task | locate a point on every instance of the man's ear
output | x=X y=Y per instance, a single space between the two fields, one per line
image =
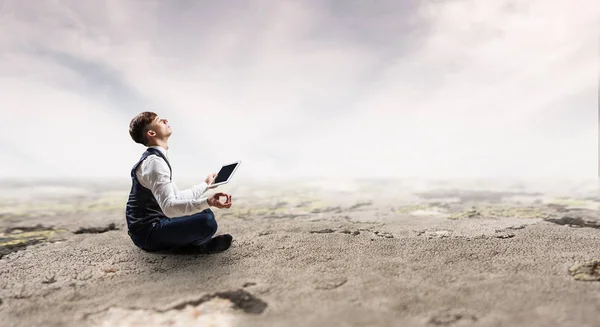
x=151 y=133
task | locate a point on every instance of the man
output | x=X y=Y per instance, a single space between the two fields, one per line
x=159 y=216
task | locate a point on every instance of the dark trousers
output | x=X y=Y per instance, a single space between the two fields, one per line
x=177 y=232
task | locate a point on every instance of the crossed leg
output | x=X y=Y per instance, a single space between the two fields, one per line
x=195 y=230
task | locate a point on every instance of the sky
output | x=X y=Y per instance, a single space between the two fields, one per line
x=302 y=89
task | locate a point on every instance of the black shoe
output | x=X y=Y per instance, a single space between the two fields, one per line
x=216 y=244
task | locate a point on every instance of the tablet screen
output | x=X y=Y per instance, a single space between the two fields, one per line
x=225 y=172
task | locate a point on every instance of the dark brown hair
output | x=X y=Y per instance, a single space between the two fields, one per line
x=139 y=126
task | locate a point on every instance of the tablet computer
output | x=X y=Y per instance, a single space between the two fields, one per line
x=224 y=175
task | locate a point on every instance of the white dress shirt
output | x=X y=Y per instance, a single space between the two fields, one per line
x=154 y=174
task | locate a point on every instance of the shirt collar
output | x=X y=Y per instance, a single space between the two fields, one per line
x=161 y=149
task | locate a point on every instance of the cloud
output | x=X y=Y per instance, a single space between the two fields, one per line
x=301 y=89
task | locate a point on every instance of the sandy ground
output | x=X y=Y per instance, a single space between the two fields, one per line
x=345 y=253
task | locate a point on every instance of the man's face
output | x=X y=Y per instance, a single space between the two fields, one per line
x=159 y=128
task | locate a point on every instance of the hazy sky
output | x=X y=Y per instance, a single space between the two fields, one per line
x=303 y=88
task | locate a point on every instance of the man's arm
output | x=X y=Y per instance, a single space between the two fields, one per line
x=154 y=175
x=197 y=190
x=194 y=192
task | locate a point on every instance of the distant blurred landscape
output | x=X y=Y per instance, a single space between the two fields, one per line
x=20 y=197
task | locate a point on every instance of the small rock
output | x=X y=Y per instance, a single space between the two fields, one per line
x=50 y=280
x=510 y=228
x=505 y=235
x=587 y=271
x=248 y=284
x=384 y=234
x=96 y=230
x=330 y=284
x=110 y=269
x=437 y=234
x=517 y=227
x=449 y=317
x=322 y=231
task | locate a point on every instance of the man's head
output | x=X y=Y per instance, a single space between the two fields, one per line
x=148 y=128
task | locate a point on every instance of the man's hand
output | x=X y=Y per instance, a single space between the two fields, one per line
x=215 y=201
x=209 y=179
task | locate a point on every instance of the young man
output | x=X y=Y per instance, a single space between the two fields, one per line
x=159 y=216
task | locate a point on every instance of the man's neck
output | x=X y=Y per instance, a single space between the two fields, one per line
x=162 y=144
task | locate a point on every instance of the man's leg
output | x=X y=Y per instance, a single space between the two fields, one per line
x=171 y=233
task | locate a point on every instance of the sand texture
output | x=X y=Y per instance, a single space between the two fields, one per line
x=341 y=253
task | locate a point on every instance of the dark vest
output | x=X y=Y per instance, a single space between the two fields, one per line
x=142 y=208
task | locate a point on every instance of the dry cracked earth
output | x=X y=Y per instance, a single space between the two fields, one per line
x=345 y=253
